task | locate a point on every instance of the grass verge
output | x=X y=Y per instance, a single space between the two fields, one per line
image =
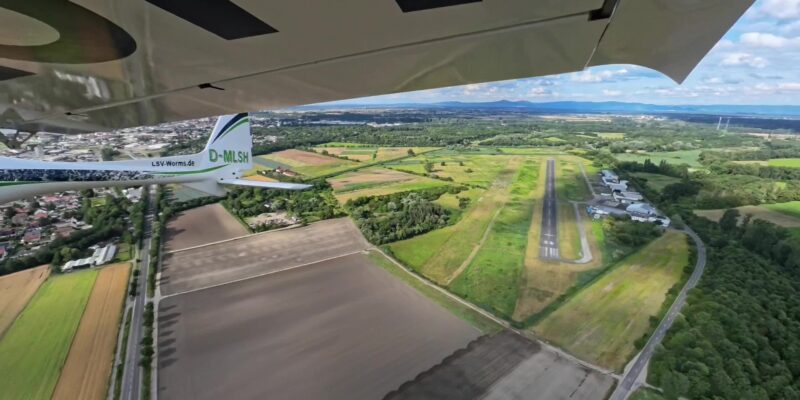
x=467 y=314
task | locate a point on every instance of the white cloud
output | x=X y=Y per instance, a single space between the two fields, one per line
x=602 y=76
x=744 y=59
x=768 y=40
x=540 y=92
x=612 y=93
x=782 y=9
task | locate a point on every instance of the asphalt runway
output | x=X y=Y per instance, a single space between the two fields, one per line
x=254 y=255
x=548 y=242
x=338 y=329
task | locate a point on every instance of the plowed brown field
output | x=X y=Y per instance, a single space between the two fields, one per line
x=85 y=374
x=15 y=291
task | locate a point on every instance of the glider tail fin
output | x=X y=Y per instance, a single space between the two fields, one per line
x=230 y=143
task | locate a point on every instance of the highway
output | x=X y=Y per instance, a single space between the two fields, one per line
x=131 y=378
x=548 y=241
x=628 y=382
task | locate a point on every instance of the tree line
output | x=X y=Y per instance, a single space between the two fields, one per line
x=739 y=335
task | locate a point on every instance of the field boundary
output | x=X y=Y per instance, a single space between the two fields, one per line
x=264 y=274
x=232 y=239
x=502 y=322
x=475 y=249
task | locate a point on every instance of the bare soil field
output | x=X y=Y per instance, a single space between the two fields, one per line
x=338 y=329
x=505 y=366
x=367 y=176
x=15 y=291
x=86 y=372
x=547 y=375
x=202 y=225
x=304 y=157
x=258 y=254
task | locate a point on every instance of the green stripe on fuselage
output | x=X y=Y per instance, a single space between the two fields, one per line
x=200 y=171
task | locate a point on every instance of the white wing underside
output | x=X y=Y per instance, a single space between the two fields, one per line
x=168 y=61
x=265 y=185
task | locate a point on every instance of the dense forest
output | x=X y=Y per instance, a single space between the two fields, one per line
x=398 y=216
x=739 y=335
x=309 y=205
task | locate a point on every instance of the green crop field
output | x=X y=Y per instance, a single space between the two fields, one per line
x=791 y=208
x=689 y=157
x=785 y=162
x=611 y=135
x=492 y=278
x=602 y=322
x=33 y=351
x=473 y=169
x=656 y=181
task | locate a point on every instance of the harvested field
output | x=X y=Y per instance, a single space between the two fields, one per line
x=33 y=350
x=306 y=163
x=358 y=179
x=257 y=254
x=339 y=329
x=505 y=366
x=86 y=373
x=15 y=291
x=202 y=225
x=299 y=157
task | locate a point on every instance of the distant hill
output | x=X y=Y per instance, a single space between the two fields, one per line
x=598 y=107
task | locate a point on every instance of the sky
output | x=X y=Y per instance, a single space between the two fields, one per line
x=756 y=62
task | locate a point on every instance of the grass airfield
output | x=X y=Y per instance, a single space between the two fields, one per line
x=601 y=322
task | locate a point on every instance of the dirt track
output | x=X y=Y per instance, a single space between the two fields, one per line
x=258 y=254
x=202 y=225
x=15 y=291
x=339 y=329
x=86 y=372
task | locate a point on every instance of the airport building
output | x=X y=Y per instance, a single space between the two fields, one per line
x=625 y=202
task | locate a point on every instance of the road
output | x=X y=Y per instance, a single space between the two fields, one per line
x=131 y=378
x=628 y=382
x=548 y=242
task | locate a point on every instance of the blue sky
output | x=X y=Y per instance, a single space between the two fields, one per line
x=757 y=62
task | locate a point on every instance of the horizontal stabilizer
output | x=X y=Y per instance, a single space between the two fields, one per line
x=265 y=185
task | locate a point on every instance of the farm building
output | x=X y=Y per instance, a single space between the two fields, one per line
x=101 y=256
